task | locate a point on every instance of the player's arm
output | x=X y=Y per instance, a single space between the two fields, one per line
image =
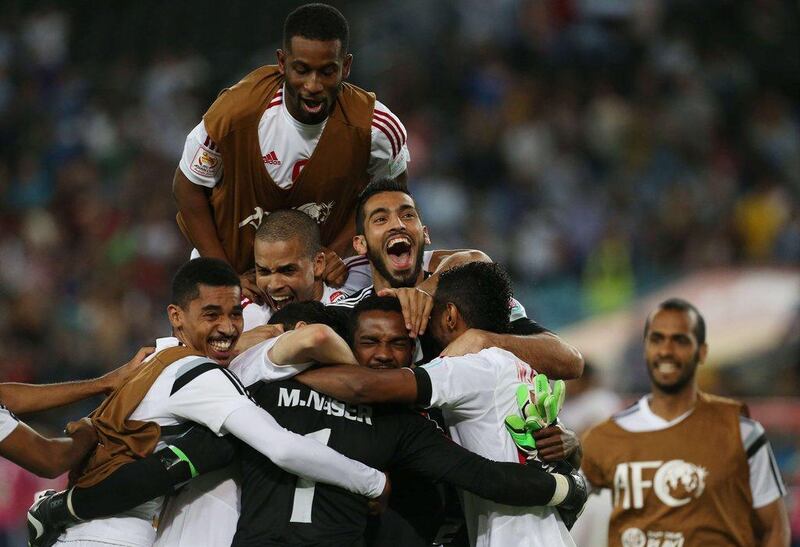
x=424 y=450
x=210 y=395
x=315 y=342
x=773 y=522
x=362 y=384
x=26 y=398
x=194 y=207
x=48 y=457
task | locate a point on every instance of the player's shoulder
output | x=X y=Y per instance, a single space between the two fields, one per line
x=349 y=302
x=242 y=103
x=724 y=403
x=599 y=431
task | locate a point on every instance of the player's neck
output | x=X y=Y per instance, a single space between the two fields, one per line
x=672 y=405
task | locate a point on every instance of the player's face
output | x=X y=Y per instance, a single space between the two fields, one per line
x=286 y=273
x=211 y=323
x=671 y=350
x=314 y=71
x=394 y=238
x=381 y=340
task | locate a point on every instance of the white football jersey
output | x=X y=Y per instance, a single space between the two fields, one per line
x=286 y=146
x=8 y=422
x=475 y=393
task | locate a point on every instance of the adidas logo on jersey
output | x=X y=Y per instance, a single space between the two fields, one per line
x=272 y=158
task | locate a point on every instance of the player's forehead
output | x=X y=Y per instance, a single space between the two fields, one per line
x=388 y=201
x=381 y=324
x=669 y=322
x=314 y=53
x=273 y=254
x=225 y=297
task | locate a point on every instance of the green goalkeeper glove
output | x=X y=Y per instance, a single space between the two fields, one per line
x=539 y=405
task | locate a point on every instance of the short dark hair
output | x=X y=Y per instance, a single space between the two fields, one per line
x=312 y=312
x=378 y=186
x=371 y=303
x=201 y=271
x=679 y=304
x=482 y=293
x=286 y=224
x=316 y=22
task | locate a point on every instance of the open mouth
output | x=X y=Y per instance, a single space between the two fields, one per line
x=279 y=302
x=312 y=106
x=666 y=367
x=221 y=346
x=398 y=248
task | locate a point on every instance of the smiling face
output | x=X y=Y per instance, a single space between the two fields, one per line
x=394 y=238
x=211 y=323
x=381 y=340
x=286 y=273
x=671 y=350
x=314 y=71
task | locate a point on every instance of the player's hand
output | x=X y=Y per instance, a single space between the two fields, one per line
x=112 y=380
x=470 y=341
x=81 y=428
x=539 y=405
x=335 y=273
x=256 y=335
x=555 y=443
x=250 y=289
x=376 y=506
x=572 y=505
x=417 y=305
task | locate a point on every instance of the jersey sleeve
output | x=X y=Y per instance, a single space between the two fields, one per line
x=201 y=161
x=462 y=385
x=254 y=365
x=8 y=422
x=205 y=393
x=766 y=484
x=389 y=154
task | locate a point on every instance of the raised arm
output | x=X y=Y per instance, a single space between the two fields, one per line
x=25 y=398
x=316 y=342
x=362 y=384
x=193 y=205
x=48 y=457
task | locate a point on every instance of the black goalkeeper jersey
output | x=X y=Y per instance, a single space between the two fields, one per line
x=304 y=513
x=279 y=508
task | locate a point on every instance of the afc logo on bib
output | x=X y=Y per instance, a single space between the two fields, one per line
x=634 y=537
x=675 y=482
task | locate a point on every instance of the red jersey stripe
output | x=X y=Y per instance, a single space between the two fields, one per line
x=275 y=102
x=385 y=131
x=393 y=121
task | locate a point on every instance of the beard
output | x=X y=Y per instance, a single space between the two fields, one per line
x=683 y=380
x=408 y=279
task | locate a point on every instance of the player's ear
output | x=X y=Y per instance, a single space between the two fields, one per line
x=360 y=244
x=348 y=62
x=281 y=56
x=702 y=353
x=175 y=314
x=319 y=264
x=451 y=316
x=299 y=324
x=427 y=235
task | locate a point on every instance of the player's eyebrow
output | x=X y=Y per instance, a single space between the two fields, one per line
x=211 y=307
x=374 y=212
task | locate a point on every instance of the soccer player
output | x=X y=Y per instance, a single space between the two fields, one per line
x=291 y=135
x=391 y=235
x=685 y=467
x=187 y=381
x=475 y=393
x=280 y=509
x=52 y=457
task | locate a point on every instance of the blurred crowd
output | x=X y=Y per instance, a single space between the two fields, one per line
x=597 y=148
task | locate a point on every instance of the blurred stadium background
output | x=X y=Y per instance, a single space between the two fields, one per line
x=608 y=152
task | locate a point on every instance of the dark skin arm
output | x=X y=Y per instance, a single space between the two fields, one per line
x=556 y=443
x=45 y=457
x=26 y=398
x=361 y=384
x=192 y=201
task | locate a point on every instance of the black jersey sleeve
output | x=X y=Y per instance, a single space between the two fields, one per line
x=424 y=450
x=142 y=480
